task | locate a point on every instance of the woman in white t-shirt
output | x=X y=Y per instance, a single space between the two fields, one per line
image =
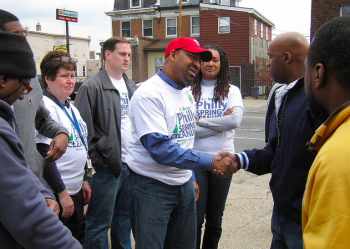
x=219 y=111
x=65 y=176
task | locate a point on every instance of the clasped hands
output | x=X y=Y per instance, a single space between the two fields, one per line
x=224 y=164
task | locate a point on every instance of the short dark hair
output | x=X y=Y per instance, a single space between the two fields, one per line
x=222 y=86
x=109 y=44
x=331 y=47
x=49 y=67
x=6 y=17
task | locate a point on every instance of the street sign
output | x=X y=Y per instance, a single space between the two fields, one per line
x=66 y=15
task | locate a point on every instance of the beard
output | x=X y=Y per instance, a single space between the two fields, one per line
x=317 y=110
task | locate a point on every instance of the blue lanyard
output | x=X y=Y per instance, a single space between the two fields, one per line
x=75 y=123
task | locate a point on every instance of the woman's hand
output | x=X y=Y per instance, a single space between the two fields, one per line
x=66 y=203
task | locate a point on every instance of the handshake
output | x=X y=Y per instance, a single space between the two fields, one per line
x=224 y=164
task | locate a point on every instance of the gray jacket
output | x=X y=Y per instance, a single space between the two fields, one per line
x=29 y=111
x=25 y=220
x=98 y=102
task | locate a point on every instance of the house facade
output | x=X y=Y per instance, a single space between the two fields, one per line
x=323 y=11
x=242 y=32
x=41 y=43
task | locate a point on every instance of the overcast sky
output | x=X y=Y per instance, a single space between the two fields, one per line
x=92 y=20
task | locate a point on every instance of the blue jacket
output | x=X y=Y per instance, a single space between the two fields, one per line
x=286 y=156
x=25 y=220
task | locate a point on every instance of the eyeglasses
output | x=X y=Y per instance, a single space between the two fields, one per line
x=27 y=88
x=194 y=57
x=65 y=59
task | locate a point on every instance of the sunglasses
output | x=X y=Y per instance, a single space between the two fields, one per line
x=65 y=59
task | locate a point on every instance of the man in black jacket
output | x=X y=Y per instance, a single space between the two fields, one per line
x=103 y=102
x=286 y=155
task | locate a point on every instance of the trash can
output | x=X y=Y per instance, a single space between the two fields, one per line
x=254 y=92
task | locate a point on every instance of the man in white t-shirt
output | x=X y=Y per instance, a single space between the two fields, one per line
x=103 y=102
x=160 y=156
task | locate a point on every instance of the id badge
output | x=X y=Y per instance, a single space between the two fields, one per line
x=90 y=170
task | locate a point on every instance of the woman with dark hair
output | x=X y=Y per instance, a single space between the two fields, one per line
x=65 y=176
x=219 y=111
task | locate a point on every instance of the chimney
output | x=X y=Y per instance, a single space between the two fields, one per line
x=38 y=27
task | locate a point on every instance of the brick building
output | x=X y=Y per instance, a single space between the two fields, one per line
x=242 y=32
x=323 y=11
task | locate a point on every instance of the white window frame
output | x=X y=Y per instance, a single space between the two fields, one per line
x=341 y=9
x=225 y=4
x=143 y=27
x=166 y=26
x=229 y=24
x=131 y=6
x=121 y=29
x=255 y=27
x=262 y=30
x=155 y=66
x=267 y=32
x=192 y=33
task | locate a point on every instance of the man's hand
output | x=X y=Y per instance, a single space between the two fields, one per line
x=57 y=147
x=53 y=205
x=228 y=111
x=67 y=204
x=223 y=165
x=86 y=191
x=196 y=189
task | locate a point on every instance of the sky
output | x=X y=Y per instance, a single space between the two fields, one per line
x=287 y=15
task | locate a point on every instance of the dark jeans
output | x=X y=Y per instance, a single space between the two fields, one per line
x=286 y=232
x=162 y=216
x=74 y=222
x=211 y=204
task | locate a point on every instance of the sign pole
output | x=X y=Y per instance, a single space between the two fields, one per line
x=67 y=36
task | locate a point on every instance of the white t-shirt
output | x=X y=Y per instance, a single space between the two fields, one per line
x=71 y=164
x=207 y=108
x=125 y=129
x=158 y=107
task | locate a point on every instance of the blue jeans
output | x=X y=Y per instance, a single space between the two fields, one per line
x=162 y=216
x=101 y=207
x=211 y=204
x=120 y=228
x=286 y=232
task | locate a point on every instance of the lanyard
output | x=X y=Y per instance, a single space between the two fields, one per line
x=75 y=123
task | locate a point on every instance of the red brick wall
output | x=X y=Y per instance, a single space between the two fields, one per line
x=159 y=28
x=323 y=11
x=136 y=27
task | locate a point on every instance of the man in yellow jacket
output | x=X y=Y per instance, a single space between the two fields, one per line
x=326 y=205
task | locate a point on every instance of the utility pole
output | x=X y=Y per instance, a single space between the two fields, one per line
x=180 y=12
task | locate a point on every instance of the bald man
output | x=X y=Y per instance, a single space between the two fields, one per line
x=286 y=156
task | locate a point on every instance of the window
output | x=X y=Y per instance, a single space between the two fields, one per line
x=224 y=25
x=255 y=27
x=84 y=71
x=344 y=10
x=267 y=32
x=126 y=29
x=262 y=30
x=76 y=71
x=147 y=28
x=171 y=28
x=226 y=2
x=135 y=3
x=158 y=62
x=195 y=25
x=183 y=1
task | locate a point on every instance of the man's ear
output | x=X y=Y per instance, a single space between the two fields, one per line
x=287 y=57
x=320 y=80
x=172 y=55
x=2 y=81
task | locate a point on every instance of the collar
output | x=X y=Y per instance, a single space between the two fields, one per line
x=328 y=127
x=171 y=83
x=54 y=99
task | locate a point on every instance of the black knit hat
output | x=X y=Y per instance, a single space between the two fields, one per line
x=16 y=57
